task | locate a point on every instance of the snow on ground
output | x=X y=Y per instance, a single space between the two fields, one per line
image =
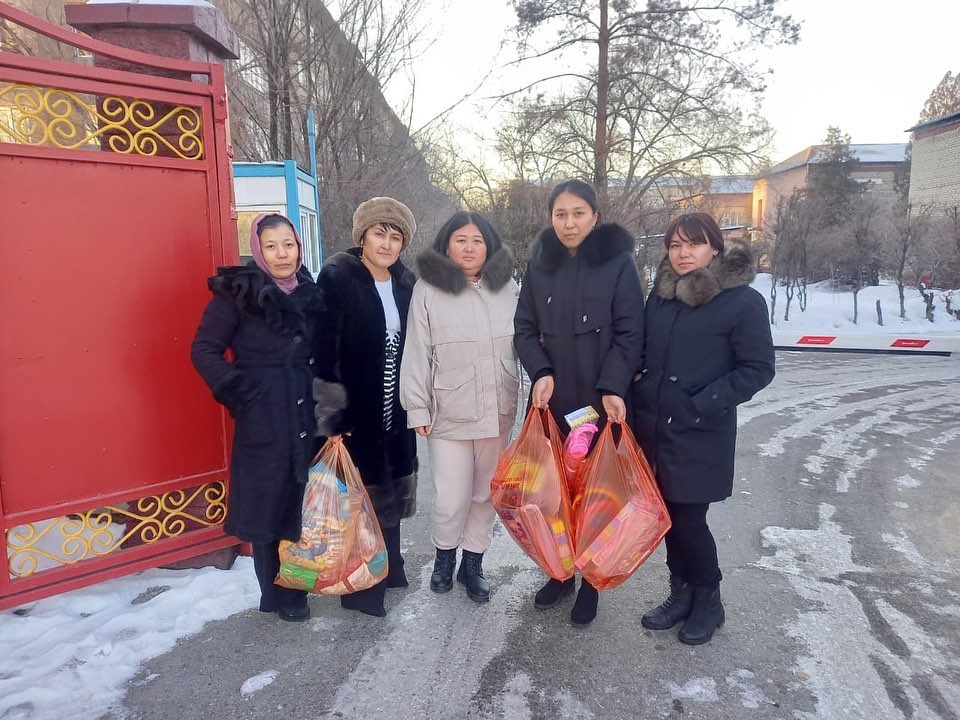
x=831 y=310
x=78 y=650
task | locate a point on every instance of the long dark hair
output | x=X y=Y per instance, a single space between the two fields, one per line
x=461 y=219
x=581 y=189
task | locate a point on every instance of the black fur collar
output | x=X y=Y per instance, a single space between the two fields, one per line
x=602 y=244
x=349 y=261
x=438 y=270
x=734 y=268
x=256 y=295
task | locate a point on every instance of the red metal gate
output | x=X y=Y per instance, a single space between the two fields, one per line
x=115 y=195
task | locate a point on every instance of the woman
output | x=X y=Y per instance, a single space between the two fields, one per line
x=265 y=314
x=458 y=384
x=579 y=329
x=363 y=325
x=708 y=349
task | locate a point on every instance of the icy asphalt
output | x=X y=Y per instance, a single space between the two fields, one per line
x=841 y=555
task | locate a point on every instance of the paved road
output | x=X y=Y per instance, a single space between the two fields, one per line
x=841 y=555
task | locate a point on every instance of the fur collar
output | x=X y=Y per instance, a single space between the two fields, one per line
x=257 y=296
x=438 y=270
x=734 y=268
x=349 y=261
x=602 y=244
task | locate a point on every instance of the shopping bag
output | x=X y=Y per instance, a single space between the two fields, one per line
x=341 y=548
x=530 y=495
x=620 y=514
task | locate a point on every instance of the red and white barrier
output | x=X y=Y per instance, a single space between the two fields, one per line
x=874 y=342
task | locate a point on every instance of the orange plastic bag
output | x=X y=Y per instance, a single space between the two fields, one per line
x=620 y=514
x=341 y=548
x=530 y=495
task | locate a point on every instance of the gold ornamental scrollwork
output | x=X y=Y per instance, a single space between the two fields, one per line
x=66 y=540
x=53 y=117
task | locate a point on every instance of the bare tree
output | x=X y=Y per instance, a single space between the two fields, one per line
x=666 y=93
x=299 y=56
x=903 y=244
x=794 y=226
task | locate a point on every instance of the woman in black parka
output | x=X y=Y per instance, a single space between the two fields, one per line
x=265 y=313
x=366 y=293
x=579 y=329
x=708 y=349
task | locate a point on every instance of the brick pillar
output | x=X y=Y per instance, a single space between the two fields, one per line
x=186 y=32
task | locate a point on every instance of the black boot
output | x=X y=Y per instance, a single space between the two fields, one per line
x=368 y=602
x=585 y=608
x=442 y=579
x=396 y=578
x=672 y=610
x=550 y=594
x=707 y=615
x=471 y=575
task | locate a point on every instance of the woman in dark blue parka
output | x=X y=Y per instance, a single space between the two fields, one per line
x=707 y=349
x=265 y=313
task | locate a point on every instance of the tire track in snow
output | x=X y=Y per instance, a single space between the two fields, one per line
x=430 y=660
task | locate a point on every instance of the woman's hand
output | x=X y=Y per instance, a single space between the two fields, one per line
x=542 y=392
x=423 y=430
x=615 y=408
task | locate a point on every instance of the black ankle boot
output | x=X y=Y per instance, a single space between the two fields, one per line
x=471 y=575
x=672 y=610
x=707 y=615
x=442 y=579
x=550 y=594
x=585 y=608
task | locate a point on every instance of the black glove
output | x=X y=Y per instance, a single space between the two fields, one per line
x=331 y=401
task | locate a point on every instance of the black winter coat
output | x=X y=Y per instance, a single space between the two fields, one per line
x=580 y=318
x=350 y=351
x=267 y=390
x=708 y=349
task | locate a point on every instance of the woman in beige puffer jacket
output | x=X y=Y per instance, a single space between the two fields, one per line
x=458 y=383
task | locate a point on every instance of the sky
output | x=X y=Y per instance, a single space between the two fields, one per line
x=81 y=649
x=862 y=65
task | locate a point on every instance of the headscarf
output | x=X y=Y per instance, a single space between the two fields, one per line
x=288 y=285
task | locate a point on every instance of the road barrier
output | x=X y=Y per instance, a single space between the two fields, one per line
x=932 y=344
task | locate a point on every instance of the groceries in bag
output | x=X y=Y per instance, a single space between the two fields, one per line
x=341 y=548
x=620 y=514
x=530 y=495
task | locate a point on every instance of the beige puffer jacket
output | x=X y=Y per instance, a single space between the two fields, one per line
x=459 y=372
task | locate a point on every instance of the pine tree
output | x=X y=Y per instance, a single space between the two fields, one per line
x=944 y=100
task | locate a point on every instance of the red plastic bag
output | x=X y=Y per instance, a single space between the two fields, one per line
x=341 y=548
x=530 y=495
x=620 y=514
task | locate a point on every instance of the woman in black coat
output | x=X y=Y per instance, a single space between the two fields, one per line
x=265 y=313
x=366 y=293
x=579 y=329
x=708 y=349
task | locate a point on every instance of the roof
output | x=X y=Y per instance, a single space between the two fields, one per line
x=728 y=185
x=944 y=120
x=875 y=153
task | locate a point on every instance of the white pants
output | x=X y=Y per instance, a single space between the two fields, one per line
x=463 y=513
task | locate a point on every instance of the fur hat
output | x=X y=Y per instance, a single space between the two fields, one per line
x=383 y=210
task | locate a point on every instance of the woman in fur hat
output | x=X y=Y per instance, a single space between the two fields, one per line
x=458 y=382
x=363 y=327
x=579 y=329
x=708 y=349
x=265 y=312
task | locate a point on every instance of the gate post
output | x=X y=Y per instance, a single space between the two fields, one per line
x=186 y=32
